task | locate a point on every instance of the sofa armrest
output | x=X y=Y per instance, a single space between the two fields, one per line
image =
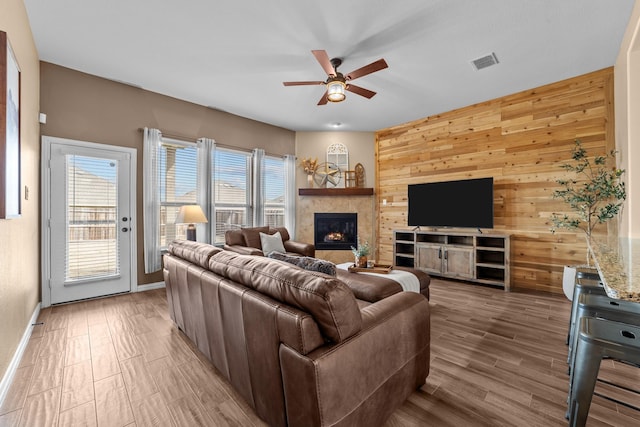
x=243 y=250
x=306 y=249
x=379 y=367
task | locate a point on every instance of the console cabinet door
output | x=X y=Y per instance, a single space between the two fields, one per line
x=429 y=258
x=458 y=262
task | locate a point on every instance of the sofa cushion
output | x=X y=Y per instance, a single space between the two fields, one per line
x=234 y=237
x=327 y=299
x=308 y=263
x=197 y=253
x=271 y=243
x=252 y=236
x=284 y=233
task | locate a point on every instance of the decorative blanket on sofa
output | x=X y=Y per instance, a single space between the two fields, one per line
x=406 y=279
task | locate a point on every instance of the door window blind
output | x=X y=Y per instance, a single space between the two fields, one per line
x=92 y=218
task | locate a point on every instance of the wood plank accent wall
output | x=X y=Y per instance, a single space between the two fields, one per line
x=520 y=140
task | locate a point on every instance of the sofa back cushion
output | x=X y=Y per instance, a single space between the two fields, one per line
x=284 y=233
x=252 y=236
x=234 y=237
x=327 y=299
x=194 y=252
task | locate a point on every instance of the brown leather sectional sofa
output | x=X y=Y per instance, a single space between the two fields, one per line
x=246 y=241
x=294 y=343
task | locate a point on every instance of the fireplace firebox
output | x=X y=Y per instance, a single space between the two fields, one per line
x=335 y=231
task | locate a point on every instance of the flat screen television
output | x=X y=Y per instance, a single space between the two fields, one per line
x=464 y=203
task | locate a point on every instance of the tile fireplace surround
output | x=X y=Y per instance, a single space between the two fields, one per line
x=308 y=205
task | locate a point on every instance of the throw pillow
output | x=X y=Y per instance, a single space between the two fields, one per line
x=271 y=243
x=308 y=263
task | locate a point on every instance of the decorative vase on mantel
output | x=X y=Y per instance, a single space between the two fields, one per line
x=361 y=261
x=309 y=167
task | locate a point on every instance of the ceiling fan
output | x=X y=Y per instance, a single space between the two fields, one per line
x=337 y=82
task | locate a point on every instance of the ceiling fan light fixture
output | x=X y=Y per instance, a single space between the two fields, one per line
x=335 y=91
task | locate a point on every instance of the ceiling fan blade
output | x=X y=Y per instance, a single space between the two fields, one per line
x=360 y=91
x=324 y=61
x=324 y=99
x=380 y=64
x=302 y=83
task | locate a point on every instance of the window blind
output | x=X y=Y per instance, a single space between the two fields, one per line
x=232 y=194
x=273 y=185
x=92 y=218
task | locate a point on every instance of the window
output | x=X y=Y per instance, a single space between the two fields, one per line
x=235 y=189
x=232 y=191
x=273 y=185
x=178 y=178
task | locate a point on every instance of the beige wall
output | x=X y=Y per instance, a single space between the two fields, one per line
x=361 y=150
x=89 y=108
x=19 y=252
x=627 y=103
x=361 y=146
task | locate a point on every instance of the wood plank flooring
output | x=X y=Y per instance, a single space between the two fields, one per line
x=497 y=359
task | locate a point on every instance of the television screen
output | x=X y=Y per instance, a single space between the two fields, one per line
x=463 y=203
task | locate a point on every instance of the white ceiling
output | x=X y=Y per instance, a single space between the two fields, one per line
x=234 y=55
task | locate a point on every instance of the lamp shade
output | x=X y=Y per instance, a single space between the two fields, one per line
x=190 y=214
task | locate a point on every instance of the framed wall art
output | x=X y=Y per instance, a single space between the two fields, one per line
x=9 y=131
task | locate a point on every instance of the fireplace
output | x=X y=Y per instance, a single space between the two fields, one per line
x=335 y=231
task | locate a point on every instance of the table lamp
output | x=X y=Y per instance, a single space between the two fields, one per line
x=190 y=214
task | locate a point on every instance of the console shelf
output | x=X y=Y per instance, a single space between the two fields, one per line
x=479 y=258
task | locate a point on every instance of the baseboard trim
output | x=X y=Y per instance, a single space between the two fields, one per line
x=7 y=379
x=150 y=286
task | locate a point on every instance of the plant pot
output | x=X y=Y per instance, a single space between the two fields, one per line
x=361 y=261
x=309 y=181
x=569 y=278
x=569 y=281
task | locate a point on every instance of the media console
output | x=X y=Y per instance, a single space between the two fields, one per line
x=480 y=258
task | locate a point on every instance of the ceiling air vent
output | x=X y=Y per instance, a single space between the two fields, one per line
x=485 y=61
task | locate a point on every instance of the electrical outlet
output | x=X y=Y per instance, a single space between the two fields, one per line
x=26 y=192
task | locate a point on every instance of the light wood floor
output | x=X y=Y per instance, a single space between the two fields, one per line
x=498 y=359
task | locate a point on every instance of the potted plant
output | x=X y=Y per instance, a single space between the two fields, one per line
x=361 y=252
x=595 y=194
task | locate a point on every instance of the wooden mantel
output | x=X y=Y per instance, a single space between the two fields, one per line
x=351 y=191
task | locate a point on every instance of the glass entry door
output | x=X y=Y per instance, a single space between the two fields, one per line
x=90 y=223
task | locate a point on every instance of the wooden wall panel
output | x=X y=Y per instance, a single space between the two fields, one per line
x=520 y=140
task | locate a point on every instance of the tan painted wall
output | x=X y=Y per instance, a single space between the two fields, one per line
x=361 y=150
x=19 y=252
x=361 y=146
x=627 y=102
x=89 y=108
